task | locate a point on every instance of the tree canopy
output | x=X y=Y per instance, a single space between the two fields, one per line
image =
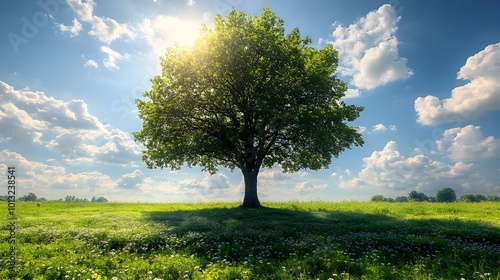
x=246 y=95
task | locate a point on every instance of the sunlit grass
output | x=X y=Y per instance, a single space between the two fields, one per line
x=292 y=240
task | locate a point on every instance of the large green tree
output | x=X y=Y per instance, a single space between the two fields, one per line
x=246 y=95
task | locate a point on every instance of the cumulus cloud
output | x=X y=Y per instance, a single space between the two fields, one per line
x=130 y=180
x=67 y=126
x=91 y=63
x=478 y=97
x=36 y=113
x=209 y=185
x=467 y=144
x=73 y=29
x=390 y=171
x=104 y=28
x=380 y=128
x=18 y=126
x=308 y=187
x=112 y=56
x=368 y=49
x=352 y=93
x=55 y=182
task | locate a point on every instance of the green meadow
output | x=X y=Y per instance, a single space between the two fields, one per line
x=292 y=240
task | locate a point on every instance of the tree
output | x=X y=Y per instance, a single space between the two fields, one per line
x=446 y=195
x=247 y=96
x=472 y=198
x=378 y=197
x=494 y=198
x=29 y=197
x=401 y=199
x=416 y=196
x=98 y=199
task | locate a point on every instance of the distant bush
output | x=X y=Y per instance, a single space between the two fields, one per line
x=417 y=196
x=378 y=197
x=29 y=197
x=443 y=195
x=493 y=198
x=473 y=198
x=98 y=199
x=446 y=195
x=72 y=198
x=401 y=199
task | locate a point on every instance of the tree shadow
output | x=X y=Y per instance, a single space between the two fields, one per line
x=344 y=238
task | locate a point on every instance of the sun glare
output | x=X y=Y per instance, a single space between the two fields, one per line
x=185 y=32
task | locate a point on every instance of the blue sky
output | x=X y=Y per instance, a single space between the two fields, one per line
x=427 y=73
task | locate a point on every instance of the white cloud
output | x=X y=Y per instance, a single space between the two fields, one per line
x=104 y=28
x=41 y=112
x=209 y=186
x=91 y=63
x=73 y=30
x=164 y=31
x=308 y=187
x=352 y=93
x=18 y=126
x=380 y=128
x=130 y=180
x=112 y=57
x=54 y=182
x=389 y=171
x=480 y=96
x=67 y=126
x=118 y=148
x=191 y=2
x=368 y=49
x=467 y=144
x=361 y=129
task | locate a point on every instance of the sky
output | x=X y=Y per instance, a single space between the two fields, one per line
x=427 y=73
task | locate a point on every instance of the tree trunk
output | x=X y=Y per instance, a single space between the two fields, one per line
x=251 y=199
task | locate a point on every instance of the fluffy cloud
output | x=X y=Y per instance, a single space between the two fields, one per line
x=55 y=182
x=130 y=180
x=67 y=126
x=91 y=63
x=209 y=185
x=112 y=56
x=163 y=31
x=467 y=144
x=388 y=170
x=73 y=29
x=308 y=187
x=104 y=28
x=380 y=128
x=36 y=112
x=18 y=126
x=120 y=148
x=352 y=93
x=368 y=49
x=470 y=101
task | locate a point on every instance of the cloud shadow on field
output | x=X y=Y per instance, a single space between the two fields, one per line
x=237 y=234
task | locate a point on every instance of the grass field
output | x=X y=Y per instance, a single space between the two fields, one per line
x=293 y=240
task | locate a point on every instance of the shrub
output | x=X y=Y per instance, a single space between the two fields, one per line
x=416 y=196
x=446 y=195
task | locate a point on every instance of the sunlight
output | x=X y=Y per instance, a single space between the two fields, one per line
x=166 y=31
x=185 y=32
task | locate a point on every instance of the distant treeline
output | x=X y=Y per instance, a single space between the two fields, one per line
x=443 y=195
x=70 y=198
